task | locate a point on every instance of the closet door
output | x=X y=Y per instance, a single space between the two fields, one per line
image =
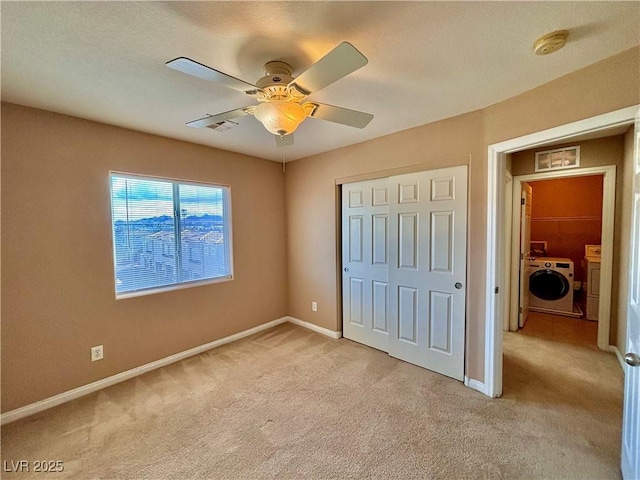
x=365 y=262
x=427 y=269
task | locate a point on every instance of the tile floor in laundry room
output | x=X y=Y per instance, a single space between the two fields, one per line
x=561 y=329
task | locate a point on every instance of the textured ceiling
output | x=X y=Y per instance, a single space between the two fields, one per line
x=105 y=61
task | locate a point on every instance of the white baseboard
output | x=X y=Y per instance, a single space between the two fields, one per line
x=63 y=397
x=69 y=395
x=315 y=328
x=476 y=385
x=614 y=349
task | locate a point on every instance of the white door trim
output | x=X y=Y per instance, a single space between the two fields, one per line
x=495 y=228
x=630 y=458
x=608 y=211
x=521 y=202
x=506 y=286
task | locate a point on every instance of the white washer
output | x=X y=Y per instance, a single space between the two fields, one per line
x=551 y=285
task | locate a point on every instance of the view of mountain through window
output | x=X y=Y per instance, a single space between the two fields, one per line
x=168 y=233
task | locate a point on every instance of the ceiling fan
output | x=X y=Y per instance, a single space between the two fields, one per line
x=282 y=106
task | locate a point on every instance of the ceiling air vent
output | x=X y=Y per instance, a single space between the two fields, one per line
x=222 y=126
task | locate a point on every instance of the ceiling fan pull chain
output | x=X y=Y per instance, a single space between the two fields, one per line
x=282 y=148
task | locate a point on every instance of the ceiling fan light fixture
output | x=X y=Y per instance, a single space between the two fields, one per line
x=280 y=117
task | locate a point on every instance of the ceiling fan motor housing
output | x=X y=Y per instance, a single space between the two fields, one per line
x=277 y=77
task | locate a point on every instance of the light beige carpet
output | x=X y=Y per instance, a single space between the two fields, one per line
x=289 y=403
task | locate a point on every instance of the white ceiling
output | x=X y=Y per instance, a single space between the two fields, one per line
x=105 y=61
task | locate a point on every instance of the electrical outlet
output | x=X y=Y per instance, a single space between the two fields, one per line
x=97 y=353
x=314 y=306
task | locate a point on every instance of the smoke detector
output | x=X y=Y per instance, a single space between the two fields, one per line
x=550 y=42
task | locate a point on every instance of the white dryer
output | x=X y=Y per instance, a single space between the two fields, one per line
x=551 y=285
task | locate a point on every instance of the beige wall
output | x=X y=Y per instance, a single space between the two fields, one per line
x=597 y=153
x=312 y=215
x=57 y=268
x=605 y=86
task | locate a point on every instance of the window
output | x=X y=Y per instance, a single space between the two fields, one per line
x=168 y=234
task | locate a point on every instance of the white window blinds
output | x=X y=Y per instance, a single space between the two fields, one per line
x=168 y=233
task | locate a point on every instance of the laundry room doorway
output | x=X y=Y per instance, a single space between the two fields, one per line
x=571 y=210
x=620 y=124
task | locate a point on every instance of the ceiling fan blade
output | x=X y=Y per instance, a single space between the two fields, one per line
x=353 y=118
x=284 y=140
x=338 y=63
x=221 y=117
x=196 y=69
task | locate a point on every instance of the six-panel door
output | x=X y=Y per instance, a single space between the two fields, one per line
x=365 y=262
x=404 y=267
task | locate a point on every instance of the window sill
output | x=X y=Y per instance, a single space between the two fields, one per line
x=177 y=286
